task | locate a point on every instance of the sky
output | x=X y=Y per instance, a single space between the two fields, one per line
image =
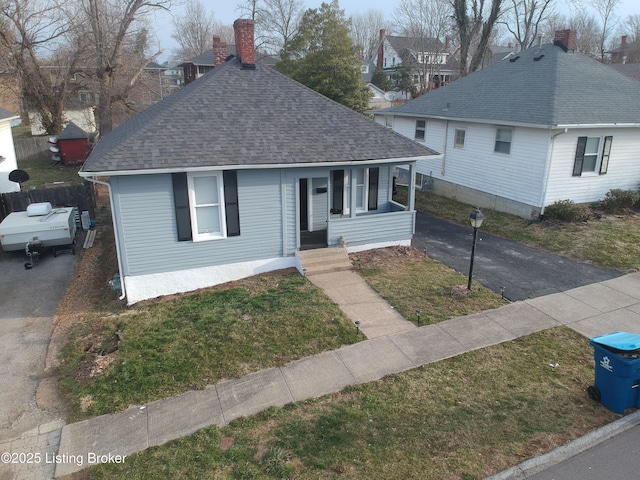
x=226 y=12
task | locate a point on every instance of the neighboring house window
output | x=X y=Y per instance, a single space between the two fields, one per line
x=206 y=206
x=421 y=126
x=459 y=137
x=365 y=182
x=388 y=121
x=592 y=155
x=503 y=140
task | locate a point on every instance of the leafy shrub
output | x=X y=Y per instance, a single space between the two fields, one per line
x=617 y=200
x=567 y=211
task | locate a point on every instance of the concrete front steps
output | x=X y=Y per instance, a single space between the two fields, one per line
x=324 y=260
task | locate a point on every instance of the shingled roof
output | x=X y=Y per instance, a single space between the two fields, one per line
x=542 y=86
x=6 y=115
x=235 y=116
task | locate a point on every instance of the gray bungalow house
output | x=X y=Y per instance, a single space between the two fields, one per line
x=230 y=176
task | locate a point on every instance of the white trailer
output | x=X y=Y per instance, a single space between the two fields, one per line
x=53 y=228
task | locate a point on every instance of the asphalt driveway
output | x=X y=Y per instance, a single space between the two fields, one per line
x=28 y=300
x=524 y=272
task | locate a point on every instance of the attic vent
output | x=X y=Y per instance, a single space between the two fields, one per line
x=538 y=58
x=514 y=59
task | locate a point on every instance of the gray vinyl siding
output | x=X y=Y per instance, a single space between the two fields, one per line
x=372 y=228
x=289 y=207
x=145 y=210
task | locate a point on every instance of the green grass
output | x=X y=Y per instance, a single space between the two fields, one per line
x=465 y=417
x=196 y=340
x=611 y=241
x=42 y=170
x=415 y=283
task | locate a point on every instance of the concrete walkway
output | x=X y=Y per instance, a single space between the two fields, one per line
x=591 y=310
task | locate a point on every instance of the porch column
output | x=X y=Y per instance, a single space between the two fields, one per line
x=412 y=186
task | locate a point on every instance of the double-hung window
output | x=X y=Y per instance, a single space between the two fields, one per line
x=459 y=137
x=365 y=183
x=503 y=140
x=206 y=205
x=421 y=126
x=592 y=155
x=207 y=210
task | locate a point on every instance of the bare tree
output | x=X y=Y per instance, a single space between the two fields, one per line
x=474 y=31
x=523 y=18
x=605 y=9
x=586 y=28
x=194 y=30
x=426 y=23
x=34 y=45
x=365 y=32
x=113 y=24
x=631 y=27
x=276 y=22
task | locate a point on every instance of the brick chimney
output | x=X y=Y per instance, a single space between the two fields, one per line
x=219 y=51
x=447 y=44
x=623 y=42
x=383 y=32
x=245 y=47
x=566 y=39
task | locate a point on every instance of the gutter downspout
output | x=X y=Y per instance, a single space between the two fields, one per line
x=115 y=234
x=444 y=147
x=548 y=169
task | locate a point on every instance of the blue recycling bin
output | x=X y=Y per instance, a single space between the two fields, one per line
x=617 y=371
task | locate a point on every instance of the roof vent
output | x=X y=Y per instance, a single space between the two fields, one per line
x=538 y=58
x=514 y=59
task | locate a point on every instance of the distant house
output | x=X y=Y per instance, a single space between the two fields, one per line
x=627 y=52
x=235 y=173
x=199 y=65
x=8 y=161
x=543 y=125
x=427 y=60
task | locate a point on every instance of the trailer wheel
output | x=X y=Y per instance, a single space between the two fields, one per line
x=27 y=266
x=594 y=393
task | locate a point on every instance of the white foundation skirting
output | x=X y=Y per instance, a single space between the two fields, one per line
x=371 y=246
x=144 y=287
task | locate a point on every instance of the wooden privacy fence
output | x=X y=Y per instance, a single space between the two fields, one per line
x=27 y=147
x=81 y=196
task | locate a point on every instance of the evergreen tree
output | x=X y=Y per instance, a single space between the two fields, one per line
x=322 y=57
x=381 y=80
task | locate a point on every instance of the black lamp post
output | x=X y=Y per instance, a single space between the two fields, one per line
x=476 y=219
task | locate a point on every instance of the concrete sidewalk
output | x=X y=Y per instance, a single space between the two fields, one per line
x=591 y=310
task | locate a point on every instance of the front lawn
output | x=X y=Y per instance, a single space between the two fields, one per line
x=168 y=347
x=463 y=418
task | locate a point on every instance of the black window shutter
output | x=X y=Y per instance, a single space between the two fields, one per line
x=374 y=174
x=338 y=191
x=577 y=166
x=604 y=165
x=181 y=203
x=232 y=211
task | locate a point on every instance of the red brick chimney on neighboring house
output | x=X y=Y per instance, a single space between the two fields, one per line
x=245 y=46
x=567 y=38
x=219 y=51
x=383 y=32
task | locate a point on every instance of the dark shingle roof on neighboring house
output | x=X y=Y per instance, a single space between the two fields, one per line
x=5 y=114
x=235 y=117
x=542 y=86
